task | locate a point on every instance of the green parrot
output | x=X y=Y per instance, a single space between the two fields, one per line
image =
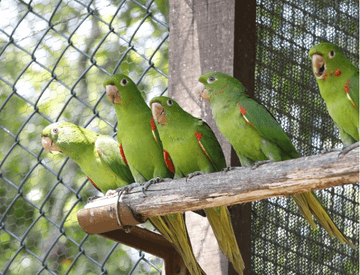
x=142 y=150
x=256 y=136
x=97 y=155
x=338 y=82
x=193 y=147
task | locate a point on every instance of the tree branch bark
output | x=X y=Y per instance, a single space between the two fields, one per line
x=239 y=185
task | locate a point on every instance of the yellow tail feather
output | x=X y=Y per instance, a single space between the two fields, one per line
x=220 y=222
x=309 y=202
x=173 y=229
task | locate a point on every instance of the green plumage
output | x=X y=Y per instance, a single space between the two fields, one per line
x=142 y=149
x=256 y=136
x=338 y=82
x=97 y=155
x=193 y=147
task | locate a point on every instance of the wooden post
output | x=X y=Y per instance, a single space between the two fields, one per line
x=201 y=40
x=244 y=70
x=213 y=36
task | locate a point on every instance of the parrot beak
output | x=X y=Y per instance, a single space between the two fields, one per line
x=49 y=145
x=113 y=94
x=319 y=66
x=158 y=112
x=201 y=91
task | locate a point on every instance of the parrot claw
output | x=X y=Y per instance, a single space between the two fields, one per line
x=227 y=169
x=347 y=149
x=259 y=163
x=92 y=198
x=146 y=185
x=191 y=175
x=124 y=189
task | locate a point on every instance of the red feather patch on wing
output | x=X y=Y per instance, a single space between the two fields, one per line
x=168 y=161
x=243 y=112
x=198 y=137
x=94 y=184
x=347 y=89
x=122 y=154
x=153 y=128
x=152 y=122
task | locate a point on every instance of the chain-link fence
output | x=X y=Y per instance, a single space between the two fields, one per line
x=282 y=241
x=53 y=58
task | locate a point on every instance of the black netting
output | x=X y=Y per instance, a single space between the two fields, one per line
x=54 y=56
x=282 y=241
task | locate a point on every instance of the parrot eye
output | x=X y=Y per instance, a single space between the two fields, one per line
x=211 y=79
x=124 y=82
x=331 y=54
x=169 y=102
x=55 y=131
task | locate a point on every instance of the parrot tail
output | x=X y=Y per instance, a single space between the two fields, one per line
x=309 y=204
x=220 y=221
x=173 y=228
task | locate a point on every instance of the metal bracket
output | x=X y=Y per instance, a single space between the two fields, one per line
x=99 y=217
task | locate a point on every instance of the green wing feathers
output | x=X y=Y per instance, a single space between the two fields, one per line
x=210 y=145
x=352 y=90
x=262 y=120
x=109 y=151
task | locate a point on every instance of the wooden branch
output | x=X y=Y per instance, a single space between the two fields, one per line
x=240 y=185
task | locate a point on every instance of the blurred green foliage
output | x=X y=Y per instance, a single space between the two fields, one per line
x=53 y=60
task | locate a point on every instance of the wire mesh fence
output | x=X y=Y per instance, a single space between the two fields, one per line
x=53 y=59
x=282 y=241
x=54 y=56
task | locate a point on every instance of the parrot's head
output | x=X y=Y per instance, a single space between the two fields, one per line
x=164 y=108
x=66 y=138
x=218 y=85
x=120 y=88
x=327 y=60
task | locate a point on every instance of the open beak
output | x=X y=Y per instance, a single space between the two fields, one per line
x=158 y=112
x=201 y=91
x=113 y=93
x=319 y=66
x=49 y=145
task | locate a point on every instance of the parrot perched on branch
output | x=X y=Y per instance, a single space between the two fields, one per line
x=256 y=136
x=193 y=147
x=338 y=82
x=142 y=149
x=97 y=155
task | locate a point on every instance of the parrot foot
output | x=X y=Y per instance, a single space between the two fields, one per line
x=227 y=169
x=125 y=189
x=259 y=163
x=191 y=175
x=146 y=185
x=92 y=198
x=347 y=149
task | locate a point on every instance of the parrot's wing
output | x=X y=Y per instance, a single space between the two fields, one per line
x=210 y=145
x=167 y=158
x=352 y=89
x=261 y=119
x=109 y=151
x=155 y=132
